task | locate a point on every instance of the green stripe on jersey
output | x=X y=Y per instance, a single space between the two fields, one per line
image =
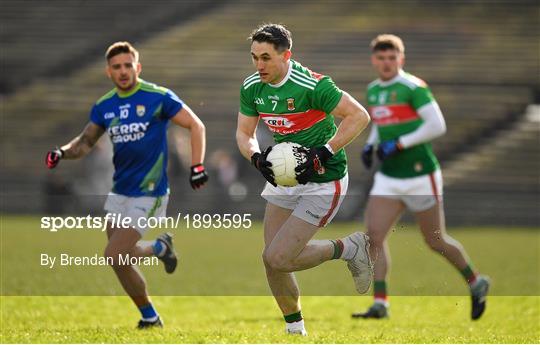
x=107 y=96
x=153 y=177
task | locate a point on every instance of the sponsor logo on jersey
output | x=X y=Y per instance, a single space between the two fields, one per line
x=290 y=104
x=381 y=112
x=393 y=114
x=124 y=133
x=288 y=123
x=280 y=122
x=259 y=101
x=109 y=115
x=141 y=110
x=275 y=98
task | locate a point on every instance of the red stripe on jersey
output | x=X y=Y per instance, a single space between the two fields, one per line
x=335 y=201
x=292 y=122
x=316 y=75
x=392 y=114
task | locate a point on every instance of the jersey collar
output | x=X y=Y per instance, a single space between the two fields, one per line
x=400 y=74
x=123 y=94
x=284 y=80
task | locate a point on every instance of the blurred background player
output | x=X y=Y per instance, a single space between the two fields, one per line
x=299 y=106
x=136 y=114
x=406 y=117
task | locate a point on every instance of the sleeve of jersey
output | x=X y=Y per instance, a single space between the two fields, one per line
x=326 y=95
x=434 y=126
x=247 y=106
x=373 y=137
x=172 y=104
x=421 y=96
x=96 y=116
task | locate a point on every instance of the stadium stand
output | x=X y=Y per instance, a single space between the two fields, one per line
x=481 y=61
x=50 y=38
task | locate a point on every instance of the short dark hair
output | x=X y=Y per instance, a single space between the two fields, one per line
x=275 y=34
x=121 y=48
x=386 y=42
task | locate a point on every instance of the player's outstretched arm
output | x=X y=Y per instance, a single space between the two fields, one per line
x=355 y=120
x=76 y=148
x=186 y=118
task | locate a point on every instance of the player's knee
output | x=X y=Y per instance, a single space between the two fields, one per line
x=111 y=255
x=276 y=261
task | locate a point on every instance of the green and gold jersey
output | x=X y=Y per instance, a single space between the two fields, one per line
x=298 y=110
x=393 y=106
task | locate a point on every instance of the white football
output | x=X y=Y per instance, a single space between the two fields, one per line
x=285 y=157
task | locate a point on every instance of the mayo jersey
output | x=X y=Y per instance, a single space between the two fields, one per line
x=393 y=106
x=137 y=126
x=298 y=109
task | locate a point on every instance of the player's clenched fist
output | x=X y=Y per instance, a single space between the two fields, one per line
x=53 y=157
x=198 y=176
x=259 y=161
x=316 y=157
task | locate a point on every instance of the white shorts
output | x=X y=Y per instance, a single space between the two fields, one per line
x=316 y=203
x=417 y=193
x=138 y=209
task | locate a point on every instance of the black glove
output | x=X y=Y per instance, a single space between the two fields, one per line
x=53 y=157
x=367 y=156
x=259 y=161
x=316 y=158
x=198 y=176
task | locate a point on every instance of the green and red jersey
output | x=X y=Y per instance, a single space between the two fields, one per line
x=393 y=107
x=297 y=109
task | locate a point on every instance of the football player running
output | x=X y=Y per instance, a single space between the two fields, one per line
x=135 y=115
x=299 y=105
x=406 y=118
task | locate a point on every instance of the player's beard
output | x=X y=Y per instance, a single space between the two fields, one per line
x=131 y=85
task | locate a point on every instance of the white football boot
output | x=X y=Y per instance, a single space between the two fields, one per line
x=360 y=264
x=296 y=328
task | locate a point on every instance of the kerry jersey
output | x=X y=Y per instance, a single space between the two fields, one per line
x=298 y=109
x=393 y=108
x=137 y=126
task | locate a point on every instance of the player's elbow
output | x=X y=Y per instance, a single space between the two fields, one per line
x=444 y=129
x=360 y=119
x=440 y=129
x=364 y=118
x=197 y=126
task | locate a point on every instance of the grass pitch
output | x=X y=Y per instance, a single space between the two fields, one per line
x=219 y=293
x=232 y=319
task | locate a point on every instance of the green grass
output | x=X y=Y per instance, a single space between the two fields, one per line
x=219 y=293
x=233 y=319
